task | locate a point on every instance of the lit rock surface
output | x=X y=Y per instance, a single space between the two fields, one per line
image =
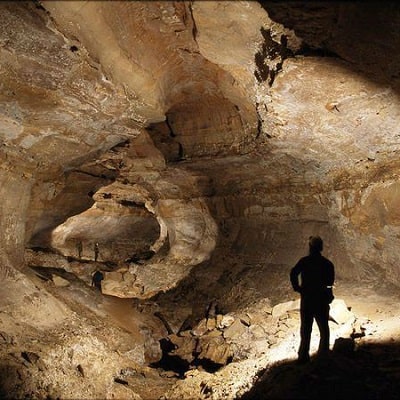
x=187 y=150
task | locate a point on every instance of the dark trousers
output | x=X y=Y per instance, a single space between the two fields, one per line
x=313 y=307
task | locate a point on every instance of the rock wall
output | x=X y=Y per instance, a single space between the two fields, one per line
x=15 y=190
x=187 y=150
x=367 y=219
x=252 y=128
x=344 y=128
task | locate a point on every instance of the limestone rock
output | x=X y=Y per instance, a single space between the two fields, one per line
x=60 y=282
x=235 y=330
x=339 y=312
x=344 y=346
x=201 y=328
x=211 y=323
x=214 y=349
x=184 y=347
x=283 y=308
x=226 y=321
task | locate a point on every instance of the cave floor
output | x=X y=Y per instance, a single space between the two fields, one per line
x=370 y=369
x=364 y=366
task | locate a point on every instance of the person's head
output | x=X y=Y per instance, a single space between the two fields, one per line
x=315 y=244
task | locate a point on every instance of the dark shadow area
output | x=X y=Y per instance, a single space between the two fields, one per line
x=180 y=364
x=10 y=377
x=362 y=33
x=47 y=273
x=169 y=362
x=372 y=371
x=187 y=350
x=197 y=292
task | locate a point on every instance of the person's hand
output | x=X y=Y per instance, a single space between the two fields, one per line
x=329 y=295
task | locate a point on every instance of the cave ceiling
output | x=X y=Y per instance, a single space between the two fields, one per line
x=166 y=118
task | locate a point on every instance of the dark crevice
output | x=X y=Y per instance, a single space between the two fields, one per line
x=39 y=6
x=194 y=30
x=110 y=178
x=171 y=131
x=171 y=362
x=121 y=381
x=270 y=51
x=259 y=126
x=308 y=51
x=130 y=203
x=125 y=143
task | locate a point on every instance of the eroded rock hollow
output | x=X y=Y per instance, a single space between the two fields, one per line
x=186 y=151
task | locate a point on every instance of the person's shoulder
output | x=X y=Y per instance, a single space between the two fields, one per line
x=304 y=259
x=327 y=260
x=300 y=263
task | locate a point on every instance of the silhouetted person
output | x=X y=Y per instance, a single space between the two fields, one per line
x=79 y=247
x=317 y=275
x=96 y=251
x=96 y=279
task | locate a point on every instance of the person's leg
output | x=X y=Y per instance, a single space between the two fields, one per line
x=322 y=317
x=306 y=319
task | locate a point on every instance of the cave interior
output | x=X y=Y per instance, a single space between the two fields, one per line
x=163 y=164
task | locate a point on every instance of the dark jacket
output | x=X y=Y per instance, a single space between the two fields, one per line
x=316 y=272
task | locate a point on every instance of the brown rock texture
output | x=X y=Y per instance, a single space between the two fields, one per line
x=186 y=150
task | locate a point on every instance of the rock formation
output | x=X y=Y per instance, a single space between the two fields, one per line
x=186 y=150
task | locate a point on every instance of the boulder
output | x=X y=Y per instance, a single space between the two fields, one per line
x=283 y=308
x=60 y=282
x=184 y=347
x=201 y=328
x=214 y=349
x=339 y=312
x=226 y=321
x=235 y=330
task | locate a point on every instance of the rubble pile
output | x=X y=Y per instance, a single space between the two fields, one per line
x=208 y=345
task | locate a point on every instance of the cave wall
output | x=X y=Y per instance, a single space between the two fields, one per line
x=344 y=125
x=46 y=87
x=366 y=37
x=272 y=128
x=200 y=144
x=15 y=190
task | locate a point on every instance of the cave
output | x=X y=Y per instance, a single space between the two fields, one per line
x=186 y=151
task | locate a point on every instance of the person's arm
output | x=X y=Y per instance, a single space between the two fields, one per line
x=330 y=280
x=294 y=277
x=331 y=275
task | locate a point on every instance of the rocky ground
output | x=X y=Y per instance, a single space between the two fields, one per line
x=364 y=364
x=89 y=345
x=64 y=339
